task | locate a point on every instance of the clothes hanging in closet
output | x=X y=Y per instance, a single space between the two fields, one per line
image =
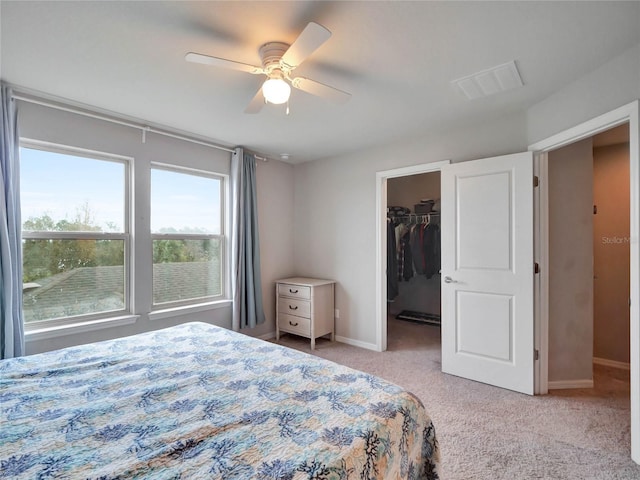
x=411 y=249
x=405 y=258
x=392 y=262
x=425 y=247
x=431 y=249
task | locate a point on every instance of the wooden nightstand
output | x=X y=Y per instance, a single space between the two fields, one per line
x=305 y=307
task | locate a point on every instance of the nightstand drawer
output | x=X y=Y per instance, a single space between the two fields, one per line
x=293 y=324
x=300 y=308
x=296 y=291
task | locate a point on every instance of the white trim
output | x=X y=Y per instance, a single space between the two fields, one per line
x=357 y=343
x=267 y=336
x=628 y=113
x=565 y=384
x=587 y=129
x=188 y=309
x=611 y=363
x=82 y=327
x=186 y=236
x=72 y=235
x=198 y=172
x=413 y=170
x=222 y=179
x=541 y=316
x=73 y=151
x=126 y=235
x=381 y=244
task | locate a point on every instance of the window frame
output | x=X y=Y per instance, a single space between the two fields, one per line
x=158 y=308
x=125 y=236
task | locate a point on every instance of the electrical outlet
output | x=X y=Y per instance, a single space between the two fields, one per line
x=337 y=313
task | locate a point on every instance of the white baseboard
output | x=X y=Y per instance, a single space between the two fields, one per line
x=562 y=384
x=611 y=363
x=267 y=336
x=357 y=343
x=348 y=341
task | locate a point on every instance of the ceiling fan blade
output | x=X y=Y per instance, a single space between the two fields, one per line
x=320 y=90
x=307 y=42
x=221 y=62
x=256 y=103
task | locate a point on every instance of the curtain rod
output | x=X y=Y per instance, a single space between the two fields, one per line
x=144 y=128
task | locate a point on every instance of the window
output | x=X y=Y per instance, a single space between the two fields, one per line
x=187 y=236
x=75 y=236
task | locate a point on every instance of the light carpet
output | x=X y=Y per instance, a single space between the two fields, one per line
x=486 y=432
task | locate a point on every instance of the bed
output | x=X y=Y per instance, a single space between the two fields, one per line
x=198 y=401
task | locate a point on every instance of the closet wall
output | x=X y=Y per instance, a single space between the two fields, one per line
x=611 y=252
x=419 y=294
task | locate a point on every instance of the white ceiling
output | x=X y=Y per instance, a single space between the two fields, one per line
x=397 y=59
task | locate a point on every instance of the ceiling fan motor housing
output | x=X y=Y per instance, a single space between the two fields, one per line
x=271 y=54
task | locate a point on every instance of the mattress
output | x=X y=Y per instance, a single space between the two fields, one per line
x=199 y=401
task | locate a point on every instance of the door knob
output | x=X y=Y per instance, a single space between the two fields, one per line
x=448 y=279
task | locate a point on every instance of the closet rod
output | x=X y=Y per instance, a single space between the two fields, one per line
x=413 y=215
x=143 y=128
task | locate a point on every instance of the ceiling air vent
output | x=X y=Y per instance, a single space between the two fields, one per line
x=489 y=82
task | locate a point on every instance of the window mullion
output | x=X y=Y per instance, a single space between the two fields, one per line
x=183 y=236
x=31 y=235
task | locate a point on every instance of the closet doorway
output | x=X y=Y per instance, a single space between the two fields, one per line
x=382 y=180
x=413 y=251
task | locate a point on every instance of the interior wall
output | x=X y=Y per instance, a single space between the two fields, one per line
x=571 y=262
x=274 y=181
x=335 y=214
x=608 y=87
x=419 y=293
x=275 y=199
x=611 y=252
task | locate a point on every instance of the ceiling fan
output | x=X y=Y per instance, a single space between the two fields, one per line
x=279 y=60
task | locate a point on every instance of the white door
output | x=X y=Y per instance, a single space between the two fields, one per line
x=487 y=271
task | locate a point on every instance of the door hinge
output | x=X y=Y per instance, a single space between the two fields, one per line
x=536 y=268
x=536 y=181
x=536 y=354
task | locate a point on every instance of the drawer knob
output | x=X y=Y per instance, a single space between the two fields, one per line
x=293 y=291
x=293 y=324
x=291 y=307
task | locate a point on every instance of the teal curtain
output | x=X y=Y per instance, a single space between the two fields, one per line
x=246 y=283
x=11 y=321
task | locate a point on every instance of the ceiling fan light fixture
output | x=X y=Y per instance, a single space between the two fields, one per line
x=276 y=91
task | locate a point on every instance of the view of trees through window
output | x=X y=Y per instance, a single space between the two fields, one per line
x=75 y=236
x=44 y=258
x=185 y=230
x=48 y=257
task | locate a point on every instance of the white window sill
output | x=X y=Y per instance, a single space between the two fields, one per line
x=187 y=309
x=80 y=327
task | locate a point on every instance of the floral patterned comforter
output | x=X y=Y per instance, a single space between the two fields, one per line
x=198 y=401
